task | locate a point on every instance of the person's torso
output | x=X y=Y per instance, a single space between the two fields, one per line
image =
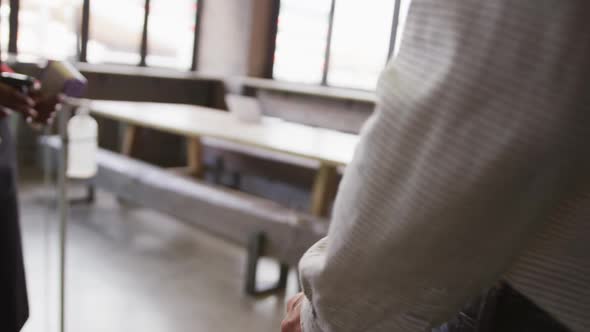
x=502 y=58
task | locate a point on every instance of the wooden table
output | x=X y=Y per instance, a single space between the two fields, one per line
x=330 y=148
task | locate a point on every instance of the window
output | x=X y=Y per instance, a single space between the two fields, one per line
x=171 y=30
x=47 y=28
x=360 y=42
x=403 y=14
x=302 y=35
x=116 y=28
x=344 y=43
x=4 y=26
x=110 y=31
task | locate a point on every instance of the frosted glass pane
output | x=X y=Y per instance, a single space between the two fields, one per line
x=301 y=40
x=360 y=42
x=115 y=31
x=171 y=31
x=47 y=28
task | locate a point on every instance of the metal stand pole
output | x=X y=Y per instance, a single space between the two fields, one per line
x=47 y=178
x=63 y=118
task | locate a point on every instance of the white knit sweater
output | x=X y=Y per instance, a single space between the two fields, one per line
x=474 y=167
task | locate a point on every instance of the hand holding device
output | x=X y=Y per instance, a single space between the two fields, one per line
x=14 y=89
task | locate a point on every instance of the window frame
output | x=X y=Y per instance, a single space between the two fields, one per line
x=13 y=26
x=327 y=51
x=84 y=33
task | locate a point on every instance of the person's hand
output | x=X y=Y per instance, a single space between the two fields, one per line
x=12 y=100
x=46 y=108
x=292 y=322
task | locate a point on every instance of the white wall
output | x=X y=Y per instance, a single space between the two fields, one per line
x=225 y=37
x=234 y=37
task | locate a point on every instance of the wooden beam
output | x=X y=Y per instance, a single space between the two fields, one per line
x=324 y=190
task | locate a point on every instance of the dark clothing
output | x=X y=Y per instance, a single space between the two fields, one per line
x=516 y=313
x=506 y=310
x=13 y=294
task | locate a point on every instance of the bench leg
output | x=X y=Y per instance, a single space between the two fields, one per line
x=88 y=199
x=194 y=151
x=129 y=137
x=324 y=189
x=255 y=249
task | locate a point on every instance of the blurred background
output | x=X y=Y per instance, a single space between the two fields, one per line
x=342 y=43
x=200 y=200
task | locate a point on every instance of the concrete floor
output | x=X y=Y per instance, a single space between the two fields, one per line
x=131 y=269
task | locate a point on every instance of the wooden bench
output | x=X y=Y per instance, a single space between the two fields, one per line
x=263 y=227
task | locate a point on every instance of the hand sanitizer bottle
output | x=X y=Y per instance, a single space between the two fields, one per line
x=83 y=145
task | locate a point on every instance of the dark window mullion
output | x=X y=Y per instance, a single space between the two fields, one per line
x=1 y=60
x=197 y=34
x=84 y=31
x=328 y=43
x=144 y=36
x=272 y=38
x=13 y=22
x=394 y=26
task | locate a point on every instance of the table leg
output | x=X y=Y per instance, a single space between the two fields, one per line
x=194 y=150
x=129 y=137
x=324 y=189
